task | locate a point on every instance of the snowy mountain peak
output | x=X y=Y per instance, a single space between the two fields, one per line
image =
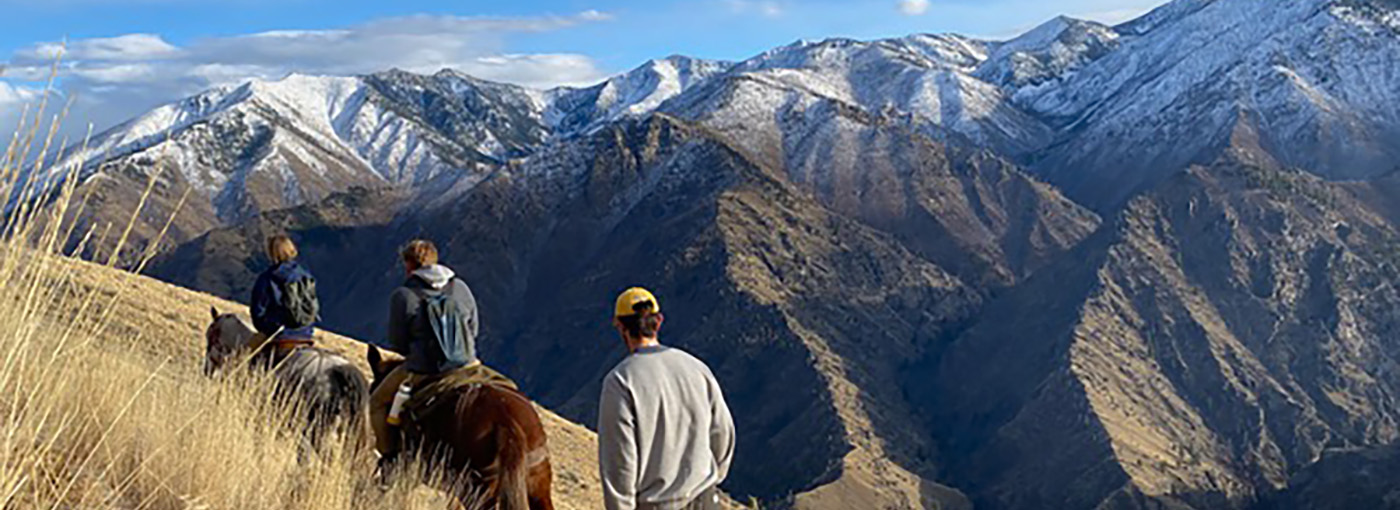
x=636 y=92
x=300 y=95
x=1164 y=15
x=1048 y=52
x=955 y=51
x=1044 y=34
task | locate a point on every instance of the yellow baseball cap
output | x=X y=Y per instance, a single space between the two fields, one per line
x=627 y=302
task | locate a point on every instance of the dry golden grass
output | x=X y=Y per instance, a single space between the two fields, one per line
x=102 y=405
x=167 y=321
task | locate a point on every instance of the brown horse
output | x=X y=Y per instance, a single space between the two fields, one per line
x=490 y=437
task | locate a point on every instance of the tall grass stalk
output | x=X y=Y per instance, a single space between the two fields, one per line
x=91 y=419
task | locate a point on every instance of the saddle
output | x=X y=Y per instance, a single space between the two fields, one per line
x=431 y=392
x=270 y=353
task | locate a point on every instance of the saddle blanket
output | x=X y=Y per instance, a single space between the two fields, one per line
x=428 y=389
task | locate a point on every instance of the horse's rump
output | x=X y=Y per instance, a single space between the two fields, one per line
x=327 y=384
x=488 y=432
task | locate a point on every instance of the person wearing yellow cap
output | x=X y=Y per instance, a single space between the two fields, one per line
x=665 y=435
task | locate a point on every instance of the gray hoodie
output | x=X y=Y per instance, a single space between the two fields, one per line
x=409 y=332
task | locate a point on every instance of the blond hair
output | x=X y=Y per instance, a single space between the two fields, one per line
x=419 y=253
x=280 y=248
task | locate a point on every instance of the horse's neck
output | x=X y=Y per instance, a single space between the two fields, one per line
x=239 y=335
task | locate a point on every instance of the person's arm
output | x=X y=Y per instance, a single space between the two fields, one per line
x=617 y=446
x=263 y=306
x=473 y=315
x=398 y=336
x=721 y=429
x=470 y=317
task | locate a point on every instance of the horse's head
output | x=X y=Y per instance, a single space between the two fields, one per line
x=225 y=337
x=380 y=366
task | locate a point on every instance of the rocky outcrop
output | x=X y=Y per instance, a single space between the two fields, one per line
x=1222 y=333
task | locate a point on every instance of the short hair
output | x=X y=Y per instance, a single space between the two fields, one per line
x=280 y=248
x=643 y=324
x=419 y=253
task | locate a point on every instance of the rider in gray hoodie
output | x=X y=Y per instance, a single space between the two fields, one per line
x=411 y=334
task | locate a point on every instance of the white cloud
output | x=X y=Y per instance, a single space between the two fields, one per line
x=913 y=7
x=112 y=79
x=13 y=94
x=537 y=69
x=765 y=8
x=595 y=15
x=12 y=101
x=122 y=48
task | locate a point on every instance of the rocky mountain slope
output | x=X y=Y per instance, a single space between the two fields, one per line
x=1315 y=75
x=1208 y=345
x=760 y=270
x=1352 y=478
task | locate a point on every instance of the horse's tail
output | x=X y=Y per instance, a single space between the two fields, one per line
x=513 y=486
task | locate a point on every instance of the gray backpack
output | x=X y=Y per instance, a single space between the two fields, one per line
x=448 y=324
x=299 y=298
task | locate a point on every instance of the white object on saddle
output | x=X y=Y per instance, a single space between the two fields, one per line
x=400 y=398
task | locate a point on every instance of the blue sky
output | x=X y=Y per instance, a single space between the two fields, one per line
x=125 y=56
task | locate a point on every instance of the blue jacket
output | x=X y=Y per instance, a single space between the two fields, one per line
x=268 y=310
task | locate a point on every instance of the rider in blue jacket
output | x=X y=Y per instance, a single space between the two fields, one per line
x=271 y=303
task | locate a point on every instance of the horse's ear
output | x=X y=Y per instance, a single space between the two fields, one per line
x=213 y=313
x=374 y=358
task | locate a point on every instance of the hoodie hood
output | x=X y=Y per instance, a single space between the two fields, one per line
x=287 y=271
x=436 y=275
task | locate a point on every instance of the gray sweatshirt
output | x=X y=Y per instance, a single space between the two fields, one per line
x=412 y=336
x=664 y=432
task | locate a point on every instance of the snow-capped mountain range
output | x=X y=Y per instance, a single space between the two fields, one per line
x=1100 y=111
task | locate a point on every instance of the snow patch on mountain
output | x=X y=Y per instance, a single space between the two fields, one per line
x=1317 y=76
x=637 y=92
x=1049 y=52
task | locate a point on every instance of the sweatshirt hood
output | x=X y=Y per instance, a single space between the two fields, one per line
x=436 y=275
x=286 y=270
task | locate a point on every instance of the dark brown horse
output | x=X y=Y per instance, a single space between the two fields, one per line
x=488 y=435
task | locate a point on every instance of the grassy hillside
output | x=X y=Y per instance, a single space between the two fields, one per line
x=102 y=404
x=153 y=327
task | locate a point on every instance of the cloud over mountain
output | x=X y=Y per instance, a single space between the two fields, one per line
x=113 y=78
x=913 y=7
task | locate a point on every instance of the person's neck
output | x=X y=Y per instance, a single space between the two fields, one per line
x=643 y=343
